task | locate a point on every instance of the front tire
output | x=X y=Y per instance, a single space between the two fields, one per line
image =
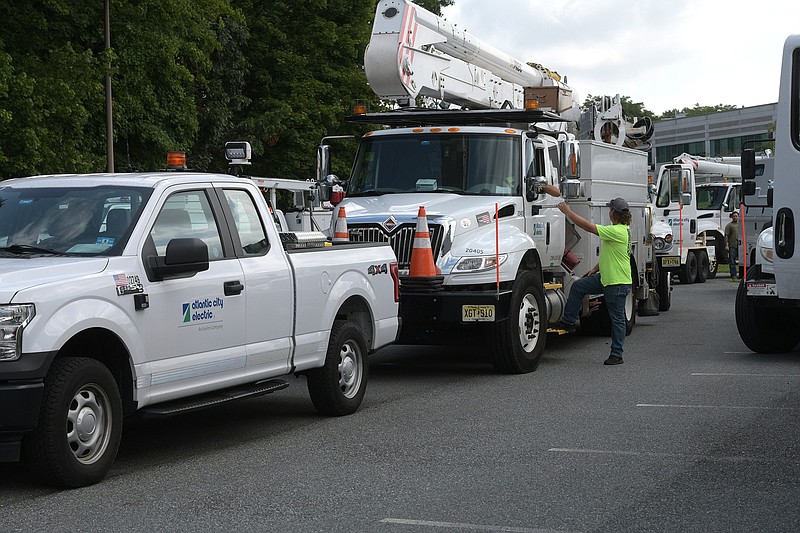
x=765 y=329
x=80 y=424
x=338 y=387
x=664 y=290
x=517 y=343
x=688 y=272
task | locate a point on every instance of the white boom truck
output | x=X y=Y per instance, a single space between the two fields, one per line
x=718 y=190
x=507 y=255
x=768 y=300
x=159 y=293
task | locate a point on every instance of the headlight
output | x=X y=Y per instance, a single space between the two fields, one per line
x=476 y=264
x=662 y=244
x=13 y=319
x=765 y=245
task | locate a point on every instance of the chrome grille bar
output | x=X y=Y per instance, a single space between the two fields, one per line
x=401 y=240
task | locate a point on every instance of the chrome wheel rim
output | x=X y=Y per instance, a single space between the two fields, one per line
x=529 y=323
x=89 y=423
x=350 y=370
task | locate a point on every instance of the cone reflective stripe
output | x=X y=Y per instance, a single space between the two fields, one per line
x=421 y=254
x=340 y=230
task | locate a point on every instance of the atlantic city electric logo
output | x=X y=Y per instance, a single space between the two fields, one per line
x=201 y=310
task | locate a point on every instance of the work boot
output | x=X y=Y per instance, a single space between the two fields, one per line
x=569 y=328
x=613 y=360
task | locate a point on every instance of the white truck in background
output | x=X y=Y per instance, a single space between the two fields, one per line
x=159 y=293
x=718 y=189
x=506 y=254
x=768 y=300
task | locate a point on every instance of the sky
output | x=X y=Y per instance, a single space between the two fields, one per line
x=667 y=54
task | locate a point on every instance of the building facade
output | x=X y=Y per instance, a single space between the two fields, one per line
x=713 y=135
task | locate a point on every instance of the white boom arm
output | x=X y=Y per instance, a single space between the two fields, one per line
x=726 y=168
x=414 y=52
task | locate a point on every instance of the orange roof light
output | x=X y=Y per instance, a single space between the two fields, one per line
x=176 y=160
x=436 y=130
x=453 y=130
x=359 y=108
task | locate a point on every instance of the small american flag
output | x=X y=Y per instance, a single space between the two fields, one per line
x=120 y=280
x=483 y=218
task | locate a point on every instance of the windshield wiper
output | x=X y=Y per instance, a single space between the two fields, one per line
x=21 y=249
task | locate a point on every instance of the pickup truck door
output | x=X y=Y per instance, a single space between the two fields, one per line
x=194 y=328
x=269 y=294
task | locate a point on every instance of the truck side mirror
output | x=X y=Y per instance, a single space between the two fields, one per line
x=749 y=188
x=651 y=189
x=571 y=189
x=748 y=164
x=769 y=196
x=533 y=185
x=183 y=259
x=686 y=198
x=323 y=162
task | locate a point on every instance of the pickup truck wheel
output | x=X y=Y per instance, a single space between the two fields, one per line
x=688 y=272
x=80 y=424
x=517 y=344
x=338 y=387
x=765 y=329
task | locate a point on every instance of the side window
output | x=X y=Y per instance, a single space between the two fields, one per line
x=248 y=222
x=187 y=214
x=795 y=98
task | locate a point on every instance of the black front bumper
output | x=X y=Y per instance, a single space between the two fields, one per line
x=21 y=391
x=432 y=317
x=20 y=403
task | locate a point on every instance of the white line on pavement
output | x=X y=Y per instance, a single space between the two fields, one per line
x=746 y=375
x=727 y=459
x=473 y=527
x=737 y=407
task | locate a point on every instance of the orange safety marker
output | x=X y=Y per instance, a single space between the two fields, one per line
x=340 y=230
x=421 y=254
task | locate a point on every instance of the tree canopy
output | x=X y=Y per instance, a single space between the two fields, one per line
x=188 y=75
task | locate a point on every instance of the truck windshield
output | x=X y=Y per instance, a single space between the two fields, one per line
x=474 y=164
x=711 y=197
x=68 y=220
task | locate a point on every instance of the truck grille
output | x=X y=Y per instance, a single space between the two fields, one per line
x=401 y=239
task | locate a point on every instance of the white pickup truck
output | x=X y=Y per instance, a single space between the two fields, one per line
x=159 y=293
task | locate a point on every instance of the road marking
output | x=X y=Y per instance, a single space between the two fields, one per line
x=746 y=375
x=473 y=527
x=737 y=407
x=717 y=458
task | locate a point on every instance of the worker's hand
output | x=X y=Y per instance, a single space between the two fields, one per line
x=564 y=208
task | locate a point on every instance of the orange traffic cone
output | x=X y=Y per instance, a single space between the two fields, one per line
x=421 y=254
x=340 y=230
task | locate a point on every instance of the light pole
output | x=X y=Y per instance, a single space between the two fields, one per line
x=109 y=114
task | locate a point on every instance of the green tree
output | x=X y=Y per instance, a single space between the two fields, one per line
x=630 y=108
x=697 y=110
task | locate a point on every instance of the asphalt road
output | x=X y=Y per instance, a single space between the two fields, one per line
x=692 y=433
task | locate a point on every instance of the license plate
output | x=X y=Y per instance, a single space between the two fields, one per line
x=477 y=313
x=758 y=288
x=670 y=261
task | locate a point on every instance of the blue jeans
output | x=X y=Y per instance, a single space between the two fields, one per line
x=615 y=297
x=733 y=254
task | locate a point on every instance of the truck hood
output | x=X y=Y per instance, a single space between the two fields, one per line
x=404 y=207
x=19 y=274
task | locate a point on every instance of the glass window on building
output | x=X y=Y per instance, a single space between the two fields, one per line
x=665 y=154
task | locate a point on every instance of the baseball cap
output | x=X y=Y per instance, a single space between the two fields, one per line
x=619 y=205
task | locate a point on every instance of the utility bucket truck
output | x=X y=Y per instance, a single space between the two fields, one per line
x=506 y=254
x=768 y=300
x=718 y=189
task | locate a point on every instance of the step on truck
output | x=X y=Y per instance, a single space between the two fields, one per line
x=507 y=256
x=159 y=293
x=768 y=299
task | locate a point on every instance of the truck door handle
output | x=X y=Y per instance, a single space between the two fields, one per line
x=233 y=288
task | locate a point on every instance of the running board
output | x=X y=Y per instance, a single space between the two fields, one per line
x=211 y=399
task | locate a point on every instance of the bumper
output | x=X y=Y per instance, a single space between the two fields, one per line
x=445 y=307
x=19 y=415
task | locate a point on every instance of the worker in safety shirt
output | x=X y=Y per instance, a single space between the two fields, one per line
x=612 y=276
